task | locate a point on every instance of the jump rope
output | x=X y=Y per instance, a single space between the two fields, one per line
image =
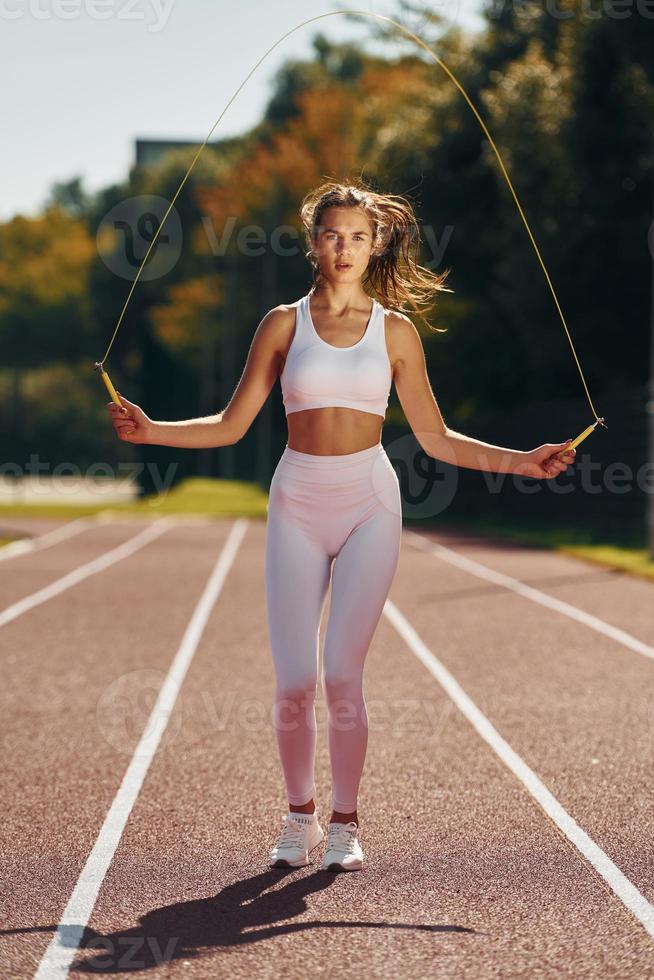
x=364 y=13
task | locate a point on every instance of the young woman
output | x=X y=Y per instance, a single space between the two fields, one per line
x=334 y=505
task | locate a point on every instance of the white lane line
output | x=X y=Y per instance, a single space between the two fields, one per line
x=528 y=592
x=625 y=890
x=63 y=946
x=26 y=546
x=84 y=571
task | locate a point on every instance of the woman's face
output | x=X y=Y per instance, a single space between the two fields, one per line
x=344 y=236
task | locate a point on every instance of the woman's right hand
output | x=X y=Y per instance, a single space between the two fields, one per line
x=130 y=422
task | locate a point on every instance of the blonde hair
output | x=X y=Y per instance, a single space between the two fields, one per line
x=393 y=271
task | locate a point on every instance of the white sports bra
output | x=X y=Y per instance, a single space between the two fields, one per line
x=318 y=375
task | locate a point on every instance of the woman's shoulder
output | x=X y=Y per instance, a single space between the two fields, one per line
x=284 y=311
x=396 y=323
x=281 y=315
x=279 y=326
x=397 y=328
x=395 y=316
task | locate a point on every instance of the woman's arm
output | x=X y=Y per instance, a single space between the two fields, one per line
x=227 y=427
x=208 y=432
x=439 y=441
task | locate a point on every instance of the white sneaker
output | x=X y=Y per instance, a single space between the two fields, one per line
x=343 y=851
x=300 y=835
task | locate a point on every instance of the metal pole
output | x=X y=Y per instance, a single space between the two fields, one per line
x=650 y=402
x=207 y=395
x=227 y=454
x=268 y=295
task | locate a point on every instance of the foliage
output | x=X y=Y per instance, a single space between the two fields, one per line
x=569 y=101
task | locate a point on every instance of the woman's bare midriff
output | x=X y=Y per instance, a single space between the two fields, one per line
x=333 y=431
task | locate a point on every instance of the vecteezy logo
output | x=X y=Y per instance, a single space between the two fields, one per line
x=427 y=485
x=129 y=716
x=130 y=228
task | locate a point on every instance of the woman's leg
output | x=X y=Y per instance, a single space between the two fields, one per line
x=361 y=578
x=297 y=578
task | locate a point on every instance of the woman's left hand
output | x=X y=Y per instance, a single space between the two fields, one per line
x=546 y=461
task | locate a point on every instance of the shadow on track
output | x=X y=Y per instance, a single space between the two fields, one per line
x=242 y=913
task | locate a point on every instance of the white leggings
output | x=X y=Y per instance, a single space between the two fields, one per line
x=346 y=508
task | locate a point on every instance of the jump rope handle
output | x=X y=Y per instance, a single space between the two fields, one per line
x=110 y=388
x=586 y=432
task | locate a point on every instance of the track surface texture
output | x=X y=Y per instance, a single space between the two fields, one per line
x=139 y=805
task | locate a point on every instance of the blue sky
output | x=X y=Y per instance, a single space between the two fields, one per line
x=83 y=78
